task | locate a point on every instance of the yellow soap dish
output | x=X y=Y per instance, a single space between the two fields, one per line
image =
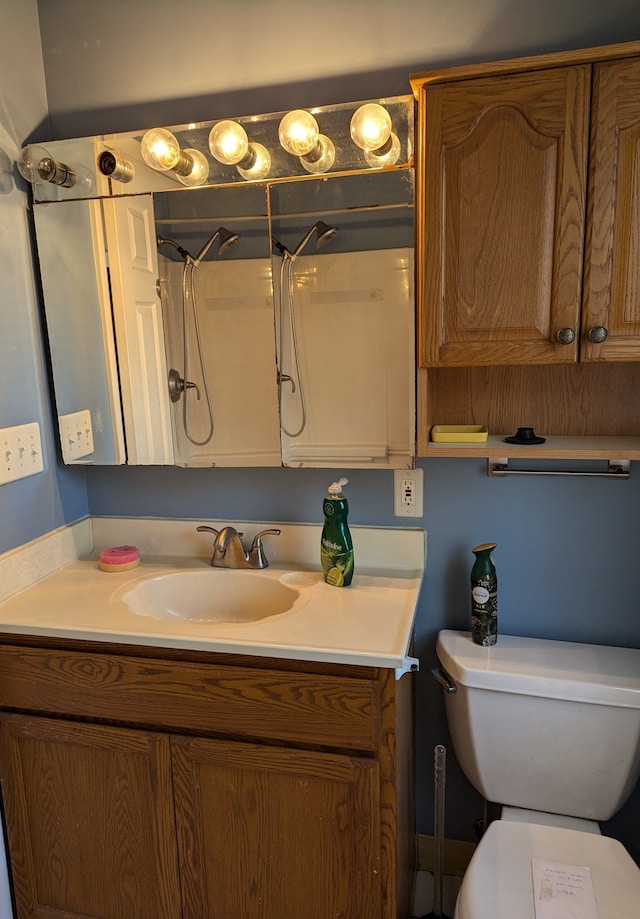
x=459 y=433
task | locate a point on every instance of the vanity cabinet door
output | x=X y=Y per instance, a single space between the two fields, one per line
x=89 y=817
x=611 y=312
x=503 y=162
x=268 y=832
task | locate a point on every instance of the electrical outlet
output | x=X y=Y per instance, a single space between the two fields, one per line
x=407 y=492
x=20 y=452
x=76 y=435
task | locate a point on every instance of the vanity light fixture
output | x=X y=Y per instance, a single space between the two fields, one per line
x=35 y=164
x=160 y=150
x=300 y=136
x=372 y=130
x=115 y=167
x=230 y=145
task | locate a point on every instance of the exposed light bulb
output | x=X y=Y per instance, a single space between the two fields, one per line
x=199 y=171
x=370 y=126
x=371 y=130
x=160 y=149
x=321 y=158
x=228 y=142
x=36 y=164
x=299 y=132
x=387 y=155
x=256 y=164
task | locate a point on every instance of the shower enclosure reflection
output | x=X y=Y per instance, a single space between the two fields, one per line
x=219 y=326
x=345 y=319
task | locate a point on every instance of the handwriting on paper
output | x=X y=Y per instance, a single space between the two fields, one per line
x=562 y=891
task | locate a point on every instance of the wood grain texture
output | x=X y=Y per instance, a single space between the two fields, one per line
x=421 y=80
x=89 y=814
x=501 y=221
x=580 y=400
x=496 y=380
x=117 y=788
x=185 y=696
x=612 y=263
x=270 y=833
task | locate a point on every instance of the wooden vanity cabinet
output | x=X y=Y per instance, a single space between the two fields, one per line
x=183 y=785
x=528 y=253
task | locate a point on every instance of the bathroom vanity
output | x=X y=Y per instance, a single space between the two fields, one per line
x=160 y=784
x=162 y=778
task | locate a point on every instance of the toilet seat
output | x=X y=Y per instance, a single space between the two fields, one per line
x=498 y=881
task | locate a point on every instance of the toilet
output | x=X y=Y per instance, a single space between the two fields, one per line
x=551 y=731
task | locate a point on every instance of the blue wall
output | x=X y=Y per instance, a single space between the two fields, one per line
x=566 y=548
x=33 y=506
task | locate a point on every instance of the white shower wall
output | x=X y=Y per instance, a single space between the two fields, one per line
x=355 y=321
x=235 y=309
x=354 y=315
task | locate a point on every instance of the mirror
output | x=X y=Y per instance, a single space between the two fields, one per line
x=215 y=286
x=232 y=324
x=343 y=285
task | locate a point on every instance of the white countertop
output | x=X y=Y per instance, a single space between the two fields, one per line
x=369 y=623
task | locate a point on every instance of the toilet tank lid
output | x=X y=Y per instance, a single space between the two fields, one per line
x=598 y=674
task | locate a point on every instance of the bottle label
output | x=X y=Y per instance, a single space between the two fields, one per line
x=480 y=595
x=337 y=563
x=484 y=611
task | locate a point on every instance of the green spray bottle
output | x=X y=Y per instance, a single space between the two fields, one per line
x=336 y=548
x=484 y=597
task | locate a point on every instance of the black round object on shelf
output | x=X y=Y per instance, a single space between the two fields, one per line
x=525 y=436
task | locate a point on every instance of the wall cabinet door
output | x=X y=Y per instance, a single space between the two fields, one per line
x=90 y=823
x=611 y=312
x=504 y=165
x=269 y=832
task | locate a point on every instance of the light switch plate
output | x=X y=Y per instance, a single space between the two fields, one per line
x=76 y=435
x=20 y=452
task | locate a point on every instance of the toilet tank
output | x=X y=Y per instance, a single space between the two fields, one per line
x=546 y=725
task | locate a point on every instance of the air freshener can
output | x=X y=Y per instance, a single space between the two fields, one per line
x=484 y=597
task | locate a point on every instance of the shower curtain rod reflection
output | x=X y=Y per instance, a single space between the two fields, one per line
x=325 y=212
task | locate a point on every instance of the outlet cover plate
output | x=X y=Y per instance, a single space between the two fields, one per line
x=407 y=492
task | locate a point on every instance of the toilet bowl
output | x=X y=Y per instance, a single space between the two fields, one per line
x=498 y=883
x=552 y=730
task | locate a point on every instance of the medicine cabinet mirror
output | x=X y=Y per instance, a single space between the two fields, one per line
x=235 y=323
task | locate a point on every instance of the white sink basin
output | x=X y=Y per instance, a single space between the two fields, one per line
x=214 y=595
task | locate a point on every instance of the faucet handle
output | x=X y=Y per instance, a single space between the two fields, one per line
x=256 y=553
x=204 y=529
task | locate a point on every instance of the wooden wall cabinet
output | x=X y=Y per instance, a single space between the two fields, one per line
x=528 y=245
x=168 y=785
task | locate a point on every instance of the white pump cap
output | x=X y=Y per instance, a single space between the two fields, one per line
x=336 y=487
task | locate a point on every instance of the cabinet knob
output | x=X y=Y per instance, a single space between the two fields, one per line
x=566 y=336
x=597 y=334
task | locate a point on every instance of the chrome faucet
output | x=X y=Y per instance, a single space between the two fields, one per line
x=229 y=552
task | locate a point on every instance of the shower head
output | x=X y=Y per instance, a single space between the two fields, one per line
x=226 y=240
x=163 y=241
x=325 y=234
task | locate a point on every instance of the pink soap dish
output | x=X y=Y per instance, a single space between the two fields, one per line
x=119 y=558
